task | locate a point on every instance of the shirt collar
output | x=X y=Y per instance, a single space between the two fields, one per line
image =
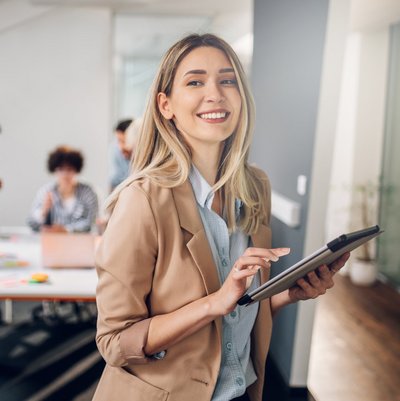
x=201 y=188
x=203 y=191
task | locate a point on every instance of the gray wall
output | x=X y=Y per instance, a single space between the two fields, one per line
x=289 y=41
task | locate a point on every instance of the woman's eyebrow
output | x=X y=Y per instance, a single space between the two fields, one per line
x=203 y=72
x=224 y=70
x=195 y=72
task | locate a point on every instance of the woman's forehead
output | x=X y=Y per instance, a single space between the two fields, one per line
x=204 y=59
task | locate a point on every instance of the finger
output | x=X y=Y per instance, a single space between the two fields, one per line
x=307 y=288
x=313 y=279
x=270 y=254
x=244 y=262
x=240 y=274
x=280 y=251
x=336 y=265
x=325 y=280
x=324 y=272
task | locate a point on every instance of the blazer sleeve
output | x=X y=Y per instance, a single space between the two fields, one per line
x=125 y=262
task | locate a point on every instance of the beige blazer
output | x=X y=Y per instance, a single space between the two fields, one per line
x=154 y=258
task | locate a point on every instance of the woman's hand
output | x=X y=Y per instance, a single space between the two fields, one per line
x=47 y=204
x=240 y=276
x=55 y=228
x=317 y=282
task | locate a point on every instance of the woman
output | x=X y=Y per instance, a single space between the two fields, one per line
x=188 y=234
x=65 y=205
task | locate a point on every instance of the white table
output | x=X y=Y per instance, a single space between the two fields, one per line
x=62 y=284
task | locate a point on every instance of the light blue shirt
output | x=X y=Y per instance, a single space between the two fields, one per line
x=236 y=372
x=120 y=165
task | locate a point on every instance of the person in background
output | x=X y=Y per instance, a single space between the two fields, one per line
x=65 y=205
x=121 y=154
x=189 y=234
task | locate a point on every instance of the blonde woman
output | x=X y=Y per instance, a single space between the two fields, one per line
x=188 y=234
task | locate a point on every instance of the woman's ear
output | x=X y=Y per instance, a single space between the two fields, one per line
x=164 y=106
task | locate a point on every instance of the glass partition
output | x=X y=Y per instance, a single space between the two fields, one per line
x=389 y=244
x=139 y=43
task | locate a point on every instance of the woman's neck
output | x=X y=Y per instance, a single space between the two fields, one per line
x=207 y=163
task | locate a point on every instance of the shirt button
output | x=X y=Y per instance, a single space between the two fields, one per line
x=233 y=314
x=160 y=355
x=229 y=346
x=224 y=263
x=239 y=381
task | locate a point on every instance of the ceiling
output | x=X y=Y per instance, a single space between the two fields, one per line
x=146 y=28
x=171 y=7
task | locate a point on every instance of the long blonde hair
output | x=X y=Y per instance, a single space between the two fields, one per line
x=163 y=156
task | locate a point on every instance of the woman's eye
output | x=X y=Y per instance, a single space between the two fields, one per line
x=230 y=82
x=194 y=83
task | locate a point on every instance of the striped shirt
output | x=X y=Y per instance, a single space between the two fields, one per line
x=76 y=216
x=236 y=372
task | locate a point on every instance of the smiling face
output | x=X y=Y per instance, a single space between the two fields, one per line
x=204 y=102
x=66 y=175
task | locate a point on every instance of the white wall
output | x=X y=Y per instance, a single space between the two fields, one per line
x=339 y=206
x=370 y=117
x=54 y=89
x=360 y=129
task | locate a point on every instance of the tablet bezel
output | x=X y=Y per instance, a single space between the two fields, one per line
x=325 y=255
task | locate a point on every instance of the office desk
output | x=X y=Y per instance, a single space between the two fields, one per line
x=63 y=284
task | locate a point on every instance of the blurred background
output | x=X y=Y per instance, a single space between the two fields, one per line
x=325 y=75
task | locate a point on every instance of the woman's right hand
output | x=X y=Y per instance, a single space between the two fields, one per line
x=240 y=276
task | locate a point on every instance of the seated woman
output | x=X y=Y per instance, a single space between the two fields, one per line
x=65 y=205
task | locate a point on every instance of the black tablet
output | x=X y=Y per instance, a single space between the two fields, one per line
x=325 y=255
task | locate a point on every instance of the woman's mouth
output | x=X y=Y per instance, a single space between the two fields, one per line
x=218 y=116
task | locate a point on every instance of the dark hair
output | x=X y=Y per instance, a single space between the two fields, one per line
x=65 y=156
x=123 y=125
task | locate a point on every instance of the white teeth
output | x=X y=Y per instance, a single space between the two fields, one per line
x=212 y=116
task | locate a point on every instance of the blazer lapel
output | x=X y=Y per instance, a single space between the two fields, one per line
x=198 y=245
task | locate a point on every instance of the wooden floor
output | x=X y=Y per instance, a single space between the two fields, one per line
x=355 y=352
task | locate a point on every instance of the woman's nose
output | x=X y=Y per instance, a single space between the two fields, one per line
x=214 y=93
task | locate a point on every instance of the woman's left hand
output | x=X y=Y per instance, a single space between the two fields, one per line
x=317 y=282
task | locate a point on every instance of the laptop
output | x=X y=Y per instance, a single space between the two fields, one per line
x=68 y=250
x=325 y=255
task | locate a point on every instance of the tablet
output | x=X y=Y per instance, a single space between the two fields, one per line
x=325 y=255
